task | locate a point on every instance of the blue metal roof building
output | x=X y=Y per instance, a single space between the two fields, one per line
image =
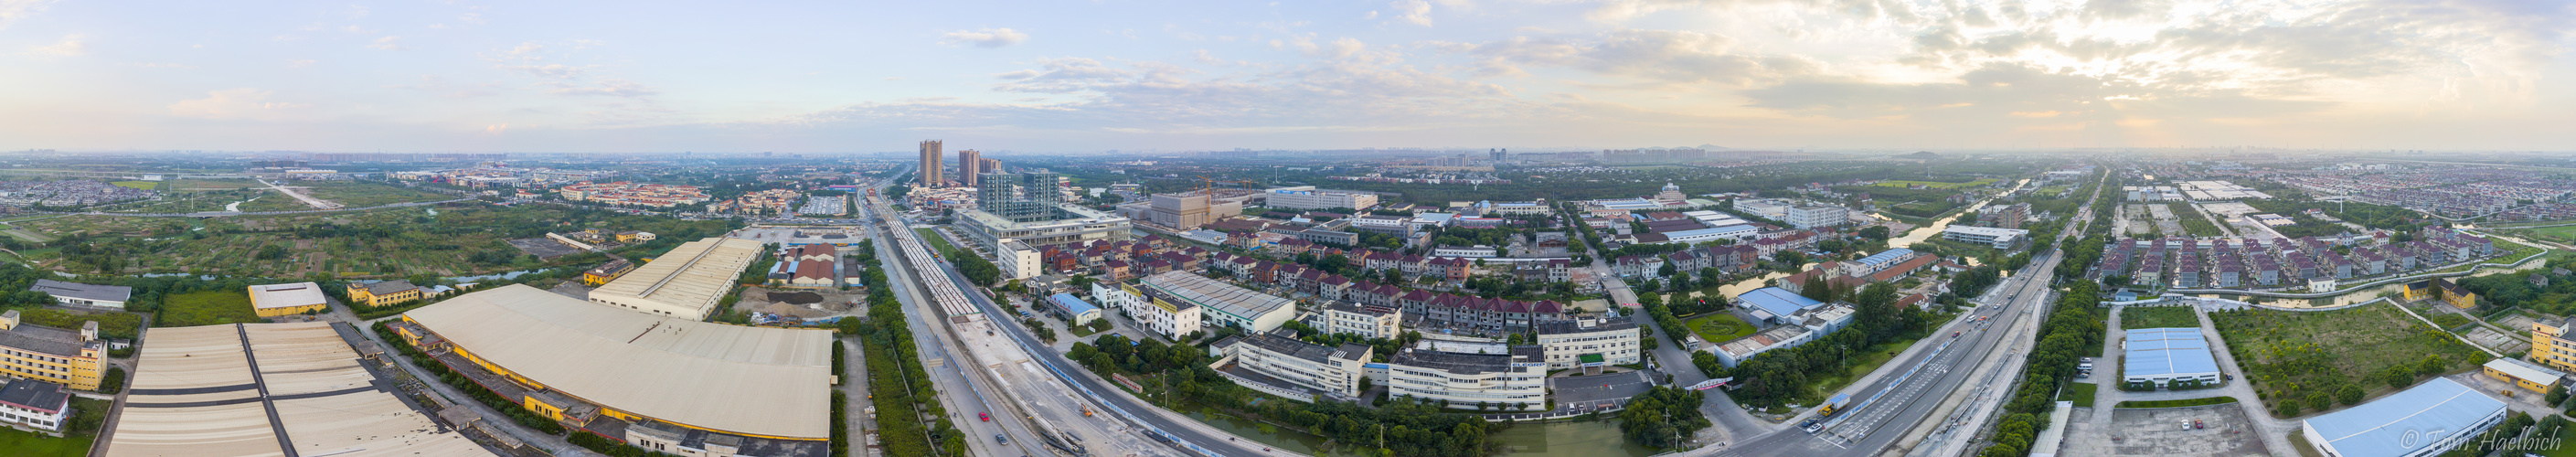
x=1885 y=258
x=2163 y=355
x=1076 y=311
x=2420 y=421
x=1771 y=303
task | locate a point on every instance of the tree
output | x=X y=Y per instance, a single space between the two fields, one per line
x=2557 y=394
x=2351 y=395
x=1875 y=232
x=2320 y=401
x=1817 y=289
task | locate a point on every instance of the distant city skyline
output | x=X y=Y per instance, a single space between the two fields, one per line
x=2360 y=75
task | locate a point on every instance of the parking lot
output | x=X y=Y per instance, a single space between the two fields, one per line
x=2223 y=431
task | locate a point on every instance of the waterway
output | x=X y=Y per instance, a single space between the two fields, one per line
x=1551 y=439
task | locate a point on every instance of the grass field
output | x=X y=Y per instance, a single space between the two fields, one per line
x=207 y=307
x=30 y=444
x=2563 y=233
x=110 y=324
x=1861 y=363
x=347 y=194
x=2079 y=392
x=1936 y=185
x=1719 y=328
x=2138 y=317
x=211 y=184
x=2289 y=354
x=145 y=185
x=937 y=243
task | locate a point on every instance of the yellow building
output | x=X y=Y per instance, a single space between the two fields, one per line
x=384 y=292
x=70 y=358
x=2523 y=374
x=273 y=300
x=2552 y=346
x=2444 y=290
x=607 y=272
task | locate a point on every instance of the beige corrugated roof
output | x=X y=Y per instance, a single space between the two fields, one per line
x=325 y=401
x=685 y=282
x=736 y=379
x=286 y=295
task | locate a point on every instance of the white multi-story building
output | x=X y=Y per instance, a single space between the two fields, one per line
x=1019 y=261
x=1807 y=217
x=1379 y=323
x=1307 y=197
x=34 y=404
x=1764 y=208
x=1471 y=375
x=1330 y=370
x=1226 y=304
x=1165 y=318
x=1589 y=344
x=2000 y=238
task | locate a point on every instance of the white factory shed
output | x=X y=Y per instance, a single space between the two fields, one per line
x=686 y=282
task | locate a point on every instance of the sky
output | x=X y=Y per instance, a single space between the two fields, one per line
x=1071 y=76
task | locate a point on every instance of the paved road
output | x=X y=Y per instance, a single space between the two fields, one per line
x=1200 y=438
x=1887 y=407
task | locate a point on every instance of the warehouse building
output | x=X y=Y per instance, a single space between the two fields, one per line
x=257 y=390
x=67 y=357
x=2164 y=355
x=684 y=283
x=1254 y=312
x=72 y=293
x=2424 y=420
x=2527 y=375
x=766 y=389
x=272 y=300
x=1076 y=311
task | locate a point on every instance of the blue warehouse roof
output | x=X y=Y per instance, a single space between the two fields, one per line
x=1073 y=305
x=1777 y=301
x=2406 y=421
x=2154 y=352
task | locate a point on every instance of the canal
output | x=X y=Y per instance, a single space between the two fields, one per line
x=1550 y=439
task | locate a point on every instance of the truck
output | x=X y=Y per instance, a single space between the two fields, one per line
x=1834 y=405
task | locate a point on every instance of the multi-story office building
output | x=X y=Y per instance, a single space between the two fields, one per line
x=2552 y=345
x=1307 y=197
x=1471 y=375
x=1163 y=317
x=1298 y=364
x=930 y=164
x=1019 y=261
x=1999 y=238
x=1807 y=217
x=1589 y=343
x=1372 y=322
x=1187 y=210
x=2007 y=216
x=70 y=358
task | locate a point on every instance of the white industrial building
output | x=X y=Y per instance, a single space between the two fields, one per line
x=1227 y=304
x=1999 y=238
x=2424 y=420
x=1469 y=375
x=1807 y=217
x=1372 y=322
x=1280 y=365
x=1307 y=197
x=684 y=283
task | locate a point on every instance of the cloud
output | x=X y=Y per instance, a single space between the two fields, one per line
x=13 y=10
x=611 y=87
x=1658 y=55
x=389 y=43
x=985 y=38
x=71 y=45
x=243 y=103
x=1417 y=12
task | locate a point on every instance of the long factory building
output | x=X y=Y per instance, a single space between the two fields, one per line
x=685 y=283
x=660 y=381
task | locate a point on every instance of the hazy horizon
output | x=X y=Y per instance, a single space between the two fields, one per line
x=1822 y=75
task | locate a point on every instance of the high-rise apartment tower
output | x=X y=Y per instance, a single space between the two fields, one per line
x=930 y=167
x=969 y=164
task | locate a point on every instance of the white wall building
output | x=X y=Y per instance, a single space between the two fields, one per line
x=1807 y=217
x=1019 y=261
x=1331 y=370
x=1307 y=197
x=1370 y=322
x=1589 y=343
x=1171 y=320
x=34 y=404
x=2000 y=238
x=1227 y=304
x=1477 y=374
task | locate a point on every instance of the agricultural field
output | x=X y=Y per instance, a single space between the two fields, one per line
x=2291 y=356
x=210 y=184
x=2138 y=317
x=142 y=185
x=347 y=194
x=460 y=239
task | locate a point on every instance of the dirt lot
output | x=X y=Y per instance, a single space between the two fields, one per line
x=802 y=303
x=2159 y=431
